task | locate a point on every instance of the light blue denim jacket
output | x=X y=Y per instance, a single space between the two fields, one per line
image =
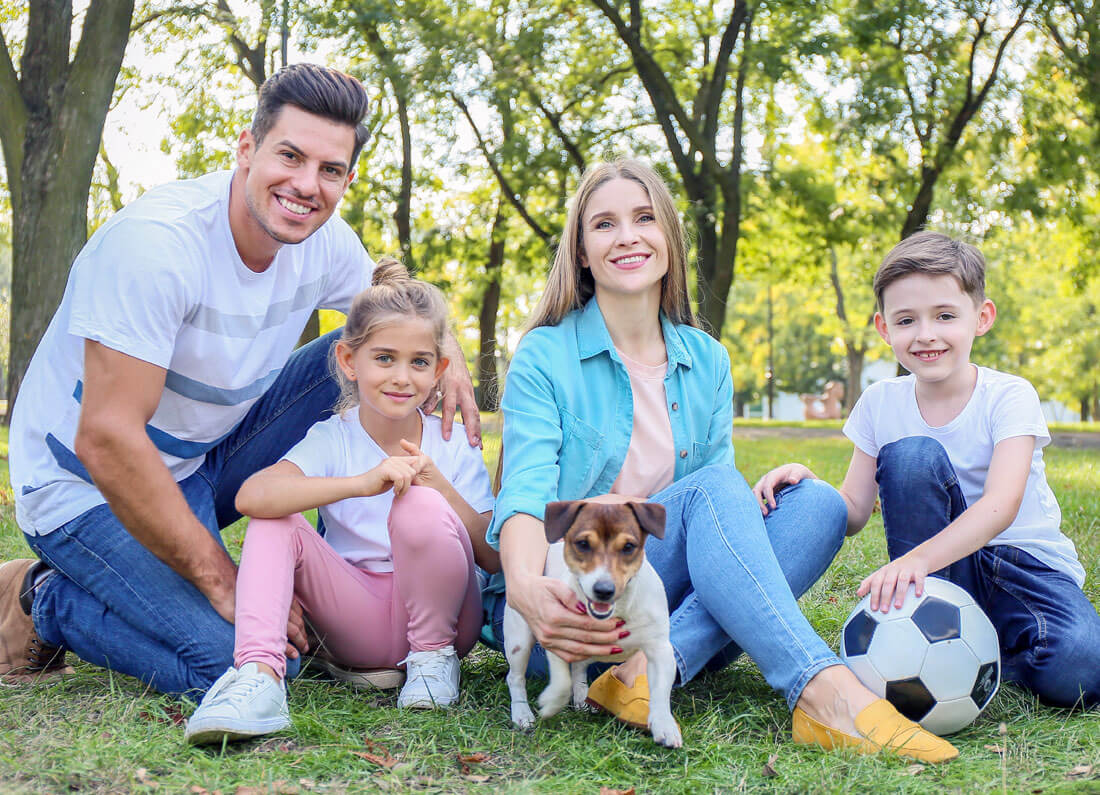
x=569 y=414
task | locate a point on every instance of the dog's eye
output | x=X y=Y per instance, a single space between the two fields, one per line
x=629 y=547
x=582 y=545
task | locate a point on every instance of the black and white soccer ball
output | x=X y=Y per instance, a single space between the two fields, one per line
x=936 y=659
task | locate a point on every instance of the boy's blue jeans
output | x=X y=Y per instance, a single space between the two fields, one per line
x=732 y=577
x=114 y=604
x=1049 y=631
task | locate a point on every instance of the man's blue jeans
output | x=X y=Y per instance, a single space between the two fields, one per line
x=114 y=604
x=1049 y=631
x=732 y=577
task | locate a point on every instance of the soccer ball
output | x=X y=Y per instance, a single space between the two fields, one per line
x=936 y=659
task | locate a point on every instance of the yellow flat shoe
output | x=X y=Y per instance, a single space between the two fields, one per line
x=628 y=704
x=882 y=728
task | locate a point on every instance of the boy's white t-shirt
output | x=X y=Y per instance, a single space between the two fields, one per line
x=1002 y=406
x=356 y=527
x=162 y=281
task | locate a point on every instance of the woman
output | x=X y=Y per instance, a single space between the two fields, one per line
x=615 y=394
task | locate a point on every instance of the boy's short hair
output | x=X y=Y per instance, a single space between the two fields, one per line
x=318 y=90
x=933 y=254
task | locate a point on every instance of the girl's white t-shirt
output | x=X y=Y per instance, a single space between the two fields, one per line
x=356 y=527
x=1002 y=406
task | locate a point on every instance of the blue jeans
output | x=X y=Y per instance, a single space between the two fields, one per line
x=1049 y=630
x=732 y=577
x=114 y=604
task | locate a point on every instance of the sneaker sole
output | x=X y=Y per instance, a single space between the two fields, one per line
x=368 y=678
x=422 y=703
x=216 y=731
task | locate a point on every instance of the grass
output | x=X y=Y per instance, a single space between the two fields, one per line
x=98 y=732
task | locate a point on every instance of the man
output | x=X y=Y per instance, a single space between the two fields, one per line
x=166 y=378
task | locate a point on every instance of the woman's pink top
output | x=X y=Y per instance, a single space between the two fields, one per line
x=651 y=459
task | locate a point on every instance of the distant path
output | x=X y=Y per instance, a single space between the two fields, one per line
x=1080 y=439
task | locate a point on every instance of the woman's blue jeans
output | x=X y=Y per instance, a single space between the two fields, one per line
x=1048 y=628
x=732 y=576
x=114 y=604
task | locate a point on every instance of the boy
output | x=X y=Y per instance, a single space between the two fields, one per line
x=955 y=453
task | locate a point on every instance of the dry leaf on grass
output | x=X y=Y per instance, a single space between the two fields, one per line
x=1080 y=771
x=769 y=770
x=476 y=778
x=997 y=749
x=609 y=791
x=245 y=790
x=465 y=760
x=913 y=770
x=377 y=753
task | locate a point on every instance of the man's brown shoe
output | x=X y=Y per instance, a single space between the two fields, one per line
x=24 y=656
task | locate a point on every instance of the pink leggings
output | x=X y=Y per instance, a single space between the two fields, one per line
x=367 y=619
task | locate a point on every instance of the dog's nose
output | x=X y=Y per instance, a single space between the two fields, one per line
x=604 y=590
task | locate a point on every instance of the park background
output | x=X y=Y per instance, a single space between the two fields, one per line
x=801 y=141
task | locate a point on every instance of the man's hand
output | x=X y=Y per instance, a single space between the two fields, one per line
x=560 y=623
x=456 y=389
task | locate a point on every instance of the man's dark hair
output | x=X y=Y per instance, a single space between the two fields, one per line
x=315 y=89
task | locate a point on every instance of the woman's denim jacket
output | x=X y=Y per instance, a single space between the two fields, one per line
x=569 y=414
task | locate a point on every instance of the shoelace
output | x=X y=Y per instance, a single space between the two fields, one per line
x=42 y=656
x=239 y=690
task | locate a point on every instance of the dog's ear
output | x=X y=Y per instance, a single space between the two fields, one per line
x=650 y=516
x=560 y=517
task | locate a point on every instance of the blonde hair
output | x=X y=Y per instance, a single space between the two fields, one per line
x=569 y=285
x=392 y=296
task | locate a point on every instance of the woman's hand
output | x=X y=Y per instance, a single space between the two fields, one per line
x=560 y=622
x=396 y=472
x=786 y=475
x=891 y=581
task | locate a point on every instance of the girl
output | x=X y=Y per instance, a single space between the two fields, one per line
x=393 y=581
x=614 y=394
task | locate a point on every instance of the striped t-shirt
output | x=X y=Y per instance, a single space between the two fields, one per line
x=162 y=281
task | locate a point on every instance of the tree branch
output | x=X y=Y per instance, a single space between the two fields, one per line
x=13 y=122
x=511 y=195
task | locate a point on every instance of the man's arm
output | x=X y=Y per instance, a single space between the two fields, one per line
x=458 y=391
x=120 y=395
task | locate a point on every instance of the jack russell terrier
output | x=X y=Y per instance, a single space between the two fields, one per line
x=598 y=549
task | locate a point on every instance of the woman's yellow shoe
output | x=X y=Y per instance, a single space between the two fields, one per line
x=881 y=728
x=628 y=704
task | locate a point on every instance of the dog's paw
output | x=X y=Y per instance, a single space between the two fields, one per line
x=666 y=732
x=580 y=699
x=522 y=717
x=551 y=702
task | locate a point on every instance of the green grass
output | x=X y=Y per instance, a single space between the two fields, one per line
x=98 y=732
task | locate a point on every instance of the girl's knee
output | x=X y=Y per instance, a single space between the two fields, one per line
x=421 y=516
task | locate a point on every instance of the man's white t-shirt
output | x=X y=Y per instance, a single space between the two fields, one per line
x=162 y=281
x=1002 y=406
x=356 y=527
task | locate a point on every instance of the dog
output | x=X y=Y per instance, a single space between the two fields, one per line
x=598 y=549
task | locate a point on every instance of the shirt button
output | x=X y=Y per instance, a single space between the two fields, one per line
x=683 y=454
x=675 y=406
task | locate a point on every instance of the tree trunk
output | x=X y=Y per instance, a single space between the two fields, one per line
x=853 y=390
x=488 y=395
x=63 y=109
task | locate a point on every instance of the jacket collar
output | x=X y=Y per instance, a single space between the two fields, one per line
x=593 y=338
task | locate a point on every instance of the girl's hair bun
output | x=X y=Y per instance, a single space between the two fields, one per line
x=389 y=271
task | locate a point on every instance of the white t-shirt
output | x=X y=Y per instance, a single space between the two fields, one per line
x=1002 y=406
x=356 y=527
x=162 y=281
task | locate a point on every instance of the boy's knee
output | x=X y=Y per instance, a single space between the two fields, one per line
x=1066 y=670
x=913 y=455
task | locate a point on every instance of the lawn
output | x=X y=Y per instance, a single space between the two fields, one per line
x=98 y=732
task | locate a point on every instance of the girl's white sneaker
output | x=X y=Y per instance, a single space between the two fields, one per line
x=243 y=703
x=432 y=679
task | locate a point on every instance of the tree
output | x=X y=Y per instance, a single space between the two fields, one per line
x=51 y=119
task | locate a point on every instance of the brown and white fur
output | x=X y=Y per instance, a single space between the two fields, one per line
x=598 y=549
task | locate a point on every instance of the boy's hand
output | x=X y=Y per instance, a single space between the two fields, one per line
x=427 y=473
x=890 y=583
x=786 y=475
x=396 y=472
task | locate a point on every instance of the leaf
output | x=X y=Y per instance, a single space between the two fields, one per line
x=769 y=770
x=997 y=749
x=245 y=790
x=465 y=761
x=381 y=756
x=913 y=770
x=609 y=791
x=477 y=778
x=1080 y=771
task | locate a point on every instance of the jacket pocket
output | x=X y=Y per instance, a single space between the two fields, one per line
x=700 y=452
x=579 y=448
